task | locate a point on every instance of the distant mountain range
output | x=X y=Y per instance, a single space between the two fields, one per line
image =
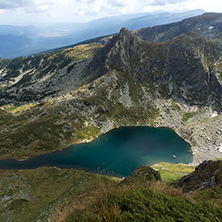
x=19 y=41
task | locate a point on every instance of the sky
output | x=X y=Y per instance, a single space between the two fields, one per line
x=29 y=12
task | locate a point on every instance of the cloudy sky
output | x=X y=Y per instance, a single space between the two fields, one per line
x=26 y=12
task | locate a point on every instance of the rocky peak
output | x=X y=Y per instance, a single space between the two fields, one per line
x=124 y=32
x=126 y=37
x=181 y=68
x=115 y=55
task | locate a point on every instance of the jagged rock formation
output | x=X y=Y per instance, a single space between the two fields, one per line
x=183 y=68
x=207 y=175
x=115 y=55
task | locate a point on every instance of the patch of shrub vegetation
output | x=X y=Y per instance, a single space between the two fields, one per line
x=187 y=116
x=145 y=204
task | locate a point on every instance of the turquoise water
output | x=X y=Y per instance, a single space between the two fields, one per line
x=117 y=153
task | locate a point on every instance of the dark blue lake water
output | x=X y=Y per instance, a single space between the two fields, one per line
x=117 y=153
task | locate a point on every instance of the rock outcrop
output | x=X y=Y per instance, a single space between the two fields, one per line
x=142 y=174
x=207 y=175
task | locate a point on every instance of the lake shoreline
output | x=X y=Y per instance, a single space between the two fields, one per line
x=131 y=146
x=198 y=153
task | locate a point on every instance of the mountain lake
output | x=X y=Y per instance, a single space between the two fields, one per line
x=116 y=153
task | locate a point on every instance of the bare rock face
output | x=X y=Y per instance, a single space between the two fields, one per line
x=207 y=175
x=115 y=55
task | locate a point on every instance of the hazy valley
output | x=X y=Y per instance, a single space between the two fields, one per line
x=26 y=40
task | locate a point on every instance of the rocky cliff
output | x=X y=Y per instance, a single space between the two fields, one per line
x=184 y=68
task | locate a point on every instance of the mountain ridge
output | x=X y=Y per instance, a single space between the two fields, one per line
x=117 y=56
x=93 y=89
x=208 y=25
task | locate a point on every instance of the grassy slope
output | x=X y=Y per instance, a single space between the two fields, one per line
x=171 y=173
x=146 y=201
x=66 y=195
x=45 y=133
x=27 y=195
x=151 y=201
x=213 y=196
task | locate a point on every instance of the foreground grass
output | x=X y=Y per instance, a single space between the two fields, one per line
x=171 y=173
x=31 y=195
x=68 y=195
x=144 y=199
x=150 y=202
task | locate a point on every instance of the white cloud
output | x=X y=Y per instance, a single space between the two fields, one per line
x=165 y=2
x=95 y=7
x=9 y=4
x=41 y=11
